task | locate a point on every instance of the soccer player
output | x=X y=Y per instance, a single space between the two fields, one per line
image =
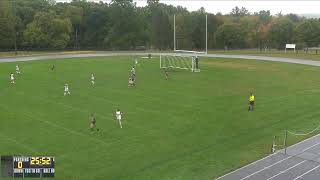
x=131 y=81
x=251 y=102
x=136 y=61
x=12 y=78
x=133 y=71
x=52 y=67
x=93 y=122
x=197 y=62
x=166 y=74
x=119 y=117
x=17 y=69
x=92 y=79
x=66 y=90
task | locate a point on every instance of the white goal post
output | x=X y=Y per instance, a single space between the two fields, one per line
x=187 y=61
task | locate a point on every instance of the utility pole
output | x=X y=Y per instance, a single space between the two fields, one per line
x=174 y=32
x=206 y=34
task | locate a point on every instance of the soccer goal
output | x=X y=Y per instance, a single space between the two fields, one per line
x=187 y=61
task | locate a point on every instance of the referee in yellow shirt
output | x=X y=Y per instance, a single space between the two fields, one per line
x=251 y=102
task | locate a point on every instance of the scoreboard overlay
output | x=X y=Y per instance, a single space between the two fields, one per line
x=27 y=166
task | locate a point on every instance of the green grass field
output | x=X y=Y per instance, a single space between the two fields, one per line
x=195 y=126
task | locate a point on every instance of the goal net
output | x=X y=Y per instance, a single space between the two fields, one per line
x=187 y=61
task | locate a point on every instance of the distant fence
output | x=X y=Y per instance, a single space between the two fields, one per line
x=312 y=49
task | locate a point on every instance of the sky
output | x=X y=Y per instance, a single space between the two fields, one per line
x=224 y=7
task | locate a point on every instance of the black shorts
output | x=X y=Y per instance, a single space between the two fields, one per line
x=251 y=102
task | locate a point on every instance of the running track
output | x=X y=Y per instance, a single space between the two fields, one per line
x=101 y=54
x=300 y=162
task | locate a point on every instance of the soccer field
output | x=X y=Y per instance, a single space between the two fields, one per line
x=194 y=126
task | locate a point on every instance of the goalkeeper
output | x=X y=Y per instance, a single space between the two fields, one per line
x=251 y=102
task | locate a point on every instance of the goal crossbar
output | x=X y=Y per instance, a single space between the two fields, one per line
x=194 y=52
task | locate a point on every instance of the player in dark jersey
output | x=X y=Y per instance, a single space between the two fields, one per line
x=93 y=122
x=166 y=74
x=52 y=67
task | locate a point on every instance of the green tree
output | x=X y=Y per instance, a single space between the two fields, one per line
x=125 y=28
x=48 y=31
x=198 y=27
x=160 y=27
x=96 y=24
x=230 y=36
x=281 y=32
x=122 y=25
x=214 y=22
x=75 y=14
x=262 y=36
x=249 y=28
x=264 y=16
x=293 y=18
x=236 y=11
x=308 y=32
x=7 y=24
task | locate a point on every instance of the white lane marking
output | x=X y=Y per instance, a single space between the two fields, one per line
x=306 y=172
x=310 y=147
x=278 y=162
x=287 y=170
x=246 y=165
x=266 y=167
x=266 y=157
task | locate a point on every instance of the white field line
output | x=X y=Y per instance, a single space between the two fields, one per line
x=63 y=128
x=287 y=170
x=298 y=177
x=19 y=143
x=70 y=130
x=267 y=157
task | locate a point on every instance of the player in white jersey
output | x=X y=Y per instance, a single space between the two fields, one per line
x=66 y=89
x=133 y=71
x=131 y=82
x=92 y=79
x=119 y=116
x=12 y=78
x=17 y=69
x=136 y=62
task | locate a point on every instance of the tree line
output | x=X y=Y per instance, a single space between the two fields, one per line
x=121 y=25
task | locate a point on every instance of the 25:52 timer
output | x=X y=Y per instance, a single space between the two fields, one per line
x=40 y=161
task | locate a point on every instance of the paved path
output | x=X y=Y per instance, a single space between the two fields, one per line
x=101 y=54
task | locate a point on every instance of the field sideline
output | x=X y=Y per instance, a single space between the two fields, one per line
x=194 y=126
